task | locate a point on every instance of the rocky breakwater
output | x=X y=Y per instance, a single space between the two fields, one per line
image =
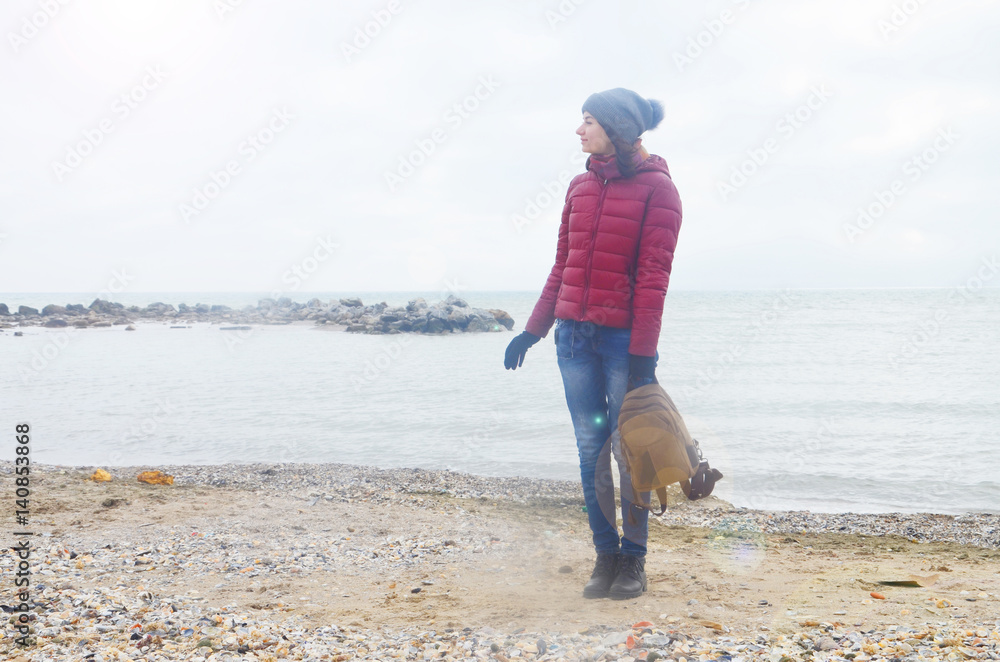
x=452 y=315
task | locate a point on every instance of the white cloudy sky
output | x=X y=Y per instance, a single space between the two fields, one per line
x=888 y=94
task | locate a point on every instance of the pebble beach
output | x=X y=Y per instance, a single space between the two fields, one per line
x=341 y=562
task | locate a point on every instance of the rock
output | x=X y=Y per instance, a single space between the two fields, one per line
x=459 y=318
x=825 y=644
x=565 y=569
x=55 y=323
x=235 y=328
x=26 y=310
x=435 y=325
x=53 y=309
x=184 y=308
x=415 y=304
x=284 y=302
x=202 y=308
x=453 y=300
x=351 y=302
x=266 y=304
x=219 y=308
x=503 y=317
x=4 y=310
x=130 y=328
x=75 y=309
x=106 y=307
x=476 y=324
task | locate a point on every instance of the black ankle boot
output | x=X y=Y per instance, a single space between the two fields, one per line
x=631 y=579
x=604 y=574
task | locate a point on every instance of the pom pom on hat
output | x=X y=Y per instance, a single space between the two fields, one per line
x=657 y=115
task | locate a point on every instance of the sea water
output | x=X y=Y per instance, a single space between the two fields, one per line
x=825 y=400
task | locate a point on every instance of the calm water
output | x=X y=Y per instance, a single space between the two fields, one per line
x=827 y=400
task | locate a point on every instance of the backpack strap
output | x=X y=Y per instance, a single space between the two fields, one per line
x=702 y=483
x=661 y=494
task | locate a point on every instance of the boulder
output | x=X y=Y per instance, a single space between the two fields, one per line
x=159 y=308
x=4 y=310
x=503 y=317
x=53 y=309
x=266 y=304
x=26 y=310
x=284 y=302
x=351 y=302
x=55 y=322
x=477 y=324
x=184 y=308
x=102 y=307
x=202 y=308
x=453 y=300
x=415 y=305
x=219 y=308
x=76 y=309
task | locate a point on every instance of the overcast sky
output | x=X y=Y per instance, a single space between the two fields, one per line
x=255 y=145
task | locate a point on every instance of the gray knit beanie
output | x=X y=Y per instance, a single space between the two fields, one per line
x=624 y=112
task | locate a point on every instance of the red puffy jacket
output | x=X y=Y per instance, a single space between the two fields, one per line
x=602 y=274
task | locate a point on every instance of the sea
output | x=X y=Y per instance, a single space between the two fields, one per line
x=861 y=400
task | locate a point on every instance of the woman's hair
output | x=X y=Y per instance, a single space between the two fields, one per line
x=623 y=152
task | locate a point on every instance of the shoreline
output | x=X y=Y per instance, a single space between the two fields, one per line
x=979 y=529
x=342 y=562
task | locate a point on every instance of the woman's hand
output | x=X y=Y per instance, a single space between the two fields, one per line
x=517 y=348
x=641 y=371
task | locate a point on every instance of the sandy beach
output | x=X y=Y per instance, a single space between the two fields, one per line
x=338 y=562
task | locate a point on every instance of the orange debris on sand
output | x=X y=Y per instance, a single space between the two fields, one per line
x=877 y=596
x=155 y=478
x=100 y=476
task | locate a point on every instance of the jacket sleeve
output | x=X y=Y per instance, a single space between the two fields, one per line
x=656 y=254
x=543 y=315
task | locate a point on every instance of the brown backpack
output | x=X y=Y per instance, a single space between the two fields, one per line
x=659 y=450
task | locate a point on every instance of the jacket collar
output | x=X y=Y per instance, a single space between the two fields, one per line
x=605 y=166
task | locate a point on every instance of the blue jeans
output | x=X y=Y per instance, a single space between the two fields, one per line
x=593 y=360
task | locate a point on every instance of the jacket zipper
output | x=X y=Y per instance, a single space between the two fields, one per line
x=590 y=258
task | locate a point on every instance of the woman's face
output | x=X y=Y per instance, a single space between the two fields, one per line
x=592 y=137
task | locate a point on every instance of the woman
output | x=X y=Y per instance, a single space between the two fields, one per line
x=605 y=294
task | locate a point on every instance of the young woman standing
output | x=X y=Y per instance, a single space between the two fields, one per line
x=605 y=295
